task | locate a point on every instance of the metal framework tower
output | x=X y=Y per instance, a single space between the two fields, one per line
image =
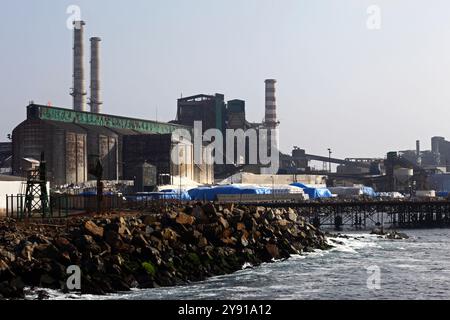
x=36 y=195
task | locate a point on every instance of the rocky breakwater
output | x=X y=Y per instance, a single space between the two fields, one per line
x=117 y=252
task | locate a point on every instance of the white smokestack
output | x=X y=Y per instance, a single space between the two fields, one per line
x=95 y=101
x=79 y=86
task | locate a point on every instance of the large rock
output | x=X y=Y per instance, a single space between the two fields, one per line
x=7 y=255
x=151 y=219
x=292 y=215
x=93 y=229
x=240 y=226
x=209 y=209
x=139 y=241
x=224 y=222
x=169 y=234
x=46 y=251
x=27 y=251
x=113 y=239
x=184 y=218
x=272 y=250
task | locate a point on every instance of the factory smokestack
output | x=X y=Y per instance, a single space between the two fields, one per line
x=418 y=156
x=95 y=100
x=271 y=124
x=78 y=90
x=271 y=104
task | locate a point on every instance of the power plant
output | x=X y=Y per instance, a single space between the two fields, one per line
x=73 y=141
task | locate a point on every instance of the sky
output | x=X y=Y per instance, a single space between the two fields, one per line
x=341 y=85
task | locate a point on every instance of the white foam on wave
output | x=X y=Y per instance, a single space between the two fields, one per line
x=353 y=243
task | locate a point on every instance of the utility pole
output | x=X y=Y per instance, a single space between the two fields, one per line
x=329 y=159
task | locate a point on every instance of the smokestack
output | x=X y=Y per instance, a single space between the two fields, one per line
x=271 y=124
x=95 y=101
x=418 y=157
x=271 y=104
x=79 y=87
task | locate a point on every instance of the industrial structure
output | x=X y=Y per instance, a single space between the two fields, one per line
x=270 y=121
x=73 y=141
x=95 y=101
x=79 y=84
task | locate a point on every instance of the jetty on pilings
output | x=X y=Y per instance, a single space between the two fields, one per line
x=368 y=213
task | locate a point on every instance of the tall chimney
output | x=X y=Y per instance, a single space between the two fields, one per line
x=271 y=124
x=79 y=86
x=418 y=156
x=271 y=104
x=95 y=101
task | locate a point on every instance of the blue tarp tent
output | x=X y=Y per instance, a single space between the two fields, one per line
x=94 y=193
x=163 y=195
x=313 y=193
x=368 y=191
x=210 y=193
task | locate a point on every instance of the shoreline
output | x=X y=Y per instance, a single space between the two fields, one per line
x=117 y=252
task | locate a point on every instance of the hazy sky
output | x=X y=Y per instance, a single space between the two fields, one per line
x=361 y=92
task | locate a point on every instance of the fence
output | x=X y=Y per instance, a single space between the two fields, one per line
x=62 y=206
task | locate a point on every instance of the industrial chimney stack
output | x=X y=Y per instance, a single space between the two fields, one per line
x=418 y=155
x=271 y=123
x=78 y=90
x=95 y=100
x=271 y=104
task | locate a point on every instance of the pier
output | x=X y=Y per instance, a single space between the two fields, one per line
x=354 y=214
x=361 y=214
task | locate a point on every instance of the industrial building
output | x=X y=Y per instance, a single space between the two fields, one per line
x=5 y=157
x=214 y=113
x=73 y=141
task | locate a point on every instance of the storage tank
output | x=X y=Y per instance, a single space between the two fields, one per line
x=403 y=175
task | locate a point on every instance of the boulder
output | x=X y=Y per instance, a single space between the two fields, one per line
x=139 y=241
x=209 y=209
x=27 y=251
x=123 y=230
x=292 y=215
x=169 y=234
x=46 y=251
x=397 y=236
x=272 y=250
x=224 y=222
x=92 y=229
x=244 y=241
x=270 y=215
x=203 y=242
x=185 y=219
x=7 y=255
x=113 y=239
x=151 y=219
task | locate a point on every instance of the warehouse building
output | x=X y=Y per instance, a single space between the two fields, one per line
x=72 y=142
